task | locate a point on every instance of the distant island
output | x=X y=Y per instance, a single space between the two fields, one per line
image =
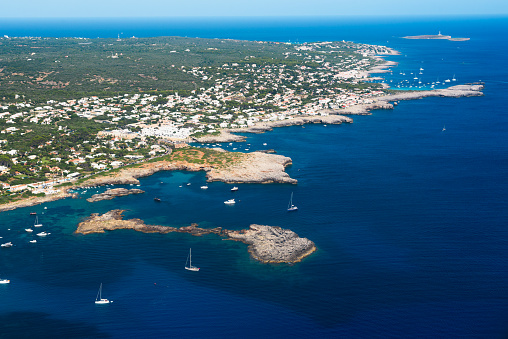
x=434 y=37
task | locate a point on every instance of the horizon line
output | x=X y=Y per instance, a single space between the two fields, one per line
x=438 y=15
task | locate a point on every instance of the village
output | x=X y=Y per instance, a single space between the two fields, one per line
x=46 y=145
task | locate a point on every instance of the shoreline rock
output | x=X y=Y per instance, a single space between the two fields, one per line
x=267 y=244
x=113 y=193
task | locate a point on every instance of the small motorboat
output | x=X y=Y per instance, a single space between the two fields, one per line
x=29 y=230
x=204 y=187
x=4 y=281
x=156 y=199
x=234 y=189
x=7 y=244
x=33 y=241
x=230 y=202
x=43 y=234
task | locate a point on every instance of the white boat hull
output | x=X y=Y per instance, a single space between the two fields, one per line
x=5 y=281
x=103 y=301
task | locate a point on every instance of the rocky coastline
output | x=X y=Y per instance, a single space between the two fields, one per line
x=255 y=167
x=32 y=201
x=259 y=168
x=267 y=244
x=383 y=102
x=113 y=193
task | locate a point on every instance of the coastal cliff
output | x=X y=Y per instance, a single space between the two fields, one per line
x=260 y=168
x=268 y=244
x=255 y=167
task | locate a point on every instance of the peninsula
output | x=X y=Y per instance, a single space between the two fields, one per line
x=268 y=244
x=112 y=110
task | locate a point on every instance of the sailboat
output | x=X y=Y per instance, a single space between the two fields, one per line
x=291 y=207
x=36 y=223
x=444 y=128
x=189 y=261
x=99 y=300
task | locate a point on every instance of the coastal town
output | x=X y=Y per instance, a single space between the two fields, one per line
x=48 y=144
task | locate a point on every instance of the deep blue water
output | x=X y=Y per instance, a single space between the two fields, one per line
x=409 y=221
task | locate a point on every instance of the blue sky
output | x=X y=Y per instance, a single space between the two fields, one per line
x=183 y=8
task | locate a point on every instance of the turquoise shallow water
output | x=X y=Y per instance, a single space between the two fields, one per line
x=409 y=221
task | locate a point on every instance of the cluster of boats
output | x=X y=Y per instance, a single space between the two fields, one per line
x=231 y=201
x=420 y=84
x=30 y=230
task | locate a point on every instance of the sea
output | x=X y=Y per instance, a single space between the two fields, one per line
x=410 y=221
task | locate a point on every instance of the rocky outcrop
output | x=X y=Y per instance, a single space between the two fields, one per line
x=113 y=220
x=261 y=168
x=271 y=244
x=268 y=244
x=113 y=193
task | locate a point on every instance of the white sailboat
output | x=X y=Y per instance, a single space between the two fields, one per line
x=291 y=207
x=36 y=223
x=189 y=261
x=99 y=300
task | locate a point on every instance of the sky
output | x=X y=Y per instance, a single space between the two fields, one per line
x=234 y=8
